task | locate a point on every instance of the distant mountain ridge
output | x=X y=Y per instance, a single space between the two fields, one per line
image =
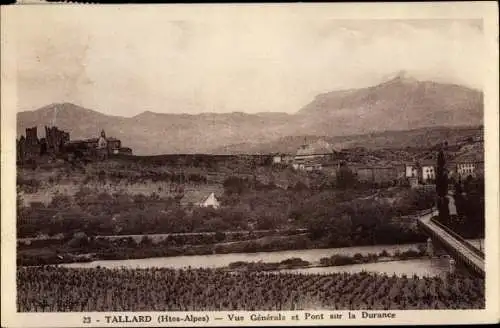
x=418 y=138
x=401 y=103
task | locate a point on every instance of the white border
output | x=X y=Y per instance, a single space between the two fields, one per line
x=486 y=10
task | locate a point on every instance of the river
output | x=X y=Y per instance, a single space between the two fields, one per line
x=421 y=267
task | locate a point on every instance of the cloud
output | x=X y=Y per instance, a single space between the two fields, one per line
x=132 y=63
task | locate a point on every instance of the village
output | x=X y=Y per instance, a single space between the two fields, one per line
x=319 y=157
x=305 y=163
x=417 y=173
x=296 y=161
x=57 y=142
x=96 y=187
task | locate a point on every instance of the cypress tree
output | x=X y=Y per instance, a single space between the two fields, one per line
x=442 y=186
x=441 y=176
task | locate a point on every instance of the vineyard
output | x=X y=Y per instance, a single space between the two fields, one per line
x=56 y=289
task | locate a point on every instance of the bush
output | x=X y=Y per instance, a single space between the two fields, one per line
x=384 y=253
x=220 y=236
x=357 y=257
x=295 y=262
x=29 y=186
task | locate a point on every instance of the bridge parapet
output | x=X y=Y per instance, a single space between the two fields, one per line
x=458 y=237
x=455 y=245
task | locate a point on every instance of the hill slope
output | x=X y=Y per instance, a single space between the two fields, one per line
x=401 y=103
x=415 y=138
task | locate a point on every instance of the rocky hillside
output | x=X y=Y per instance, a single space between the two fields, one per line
x=416 y=138
x=401 y=103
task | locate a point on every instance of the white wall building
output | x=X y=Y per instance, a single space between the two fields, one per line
x=428 y=173
x=200 y=199
x=411 y=171
x=465 y=169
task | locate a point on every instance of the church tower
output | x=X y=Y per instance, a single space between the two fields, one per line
x=102 y=145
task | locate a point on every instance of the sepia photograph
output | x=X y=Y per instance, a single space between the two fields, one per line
x=252 y=159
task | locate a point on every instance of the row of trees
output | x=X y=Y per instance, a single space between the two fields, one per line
x=468 y=198
x=339 y=213
x=131 y=178
x=469 y=201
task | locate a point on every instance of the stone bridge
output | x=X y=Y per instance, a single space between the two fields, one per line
x=457 y=247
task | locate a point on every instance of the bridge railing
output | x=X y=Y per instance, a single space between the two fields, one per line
x=418 y=214
x=459 y=238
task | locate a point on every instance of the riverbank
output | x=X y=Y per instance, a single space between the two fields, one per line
x=334 y=260
x=96 y=249
x=89 y=250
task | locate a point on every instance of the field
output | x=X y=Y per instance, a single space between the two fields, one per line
x=55 y=289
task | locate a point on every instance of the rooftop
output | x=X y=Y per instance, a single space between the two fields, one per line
x=479 y=157
x=195 y=196
x=375 y=167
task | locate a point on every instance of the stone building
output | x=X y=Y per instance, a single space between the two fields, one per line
x=469 y=165
x=411 y=170
x=55 y=140
x=376 y=174
x=311 y=157
x=102 y=146
x=282 y=159
x=332 y=167
x=114 y=145
x=29 y=147
x=20 y=148
x=428 y=174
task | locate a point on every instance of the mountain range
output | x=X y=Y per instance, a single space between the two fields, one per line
x=399 y=104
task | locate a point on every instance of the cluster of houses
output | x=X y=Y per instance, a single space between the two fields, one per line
x=57 y=142
x=100 y=147
x=320 y=156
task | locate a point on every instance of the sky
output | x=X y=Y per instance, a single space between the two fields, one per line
x=121 y=62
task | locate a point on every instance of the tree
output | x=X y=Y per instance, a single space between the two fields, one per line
x=220 y=236
x=459 y=199
x=60 y=201
x=146 y=241
x=441 y=176
x=418 y=168
x=235 y=185
x=19 y=204
x=79 y=240
x=345 y=178
x=102 y=176
x=442 y=186
x=300 y=186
